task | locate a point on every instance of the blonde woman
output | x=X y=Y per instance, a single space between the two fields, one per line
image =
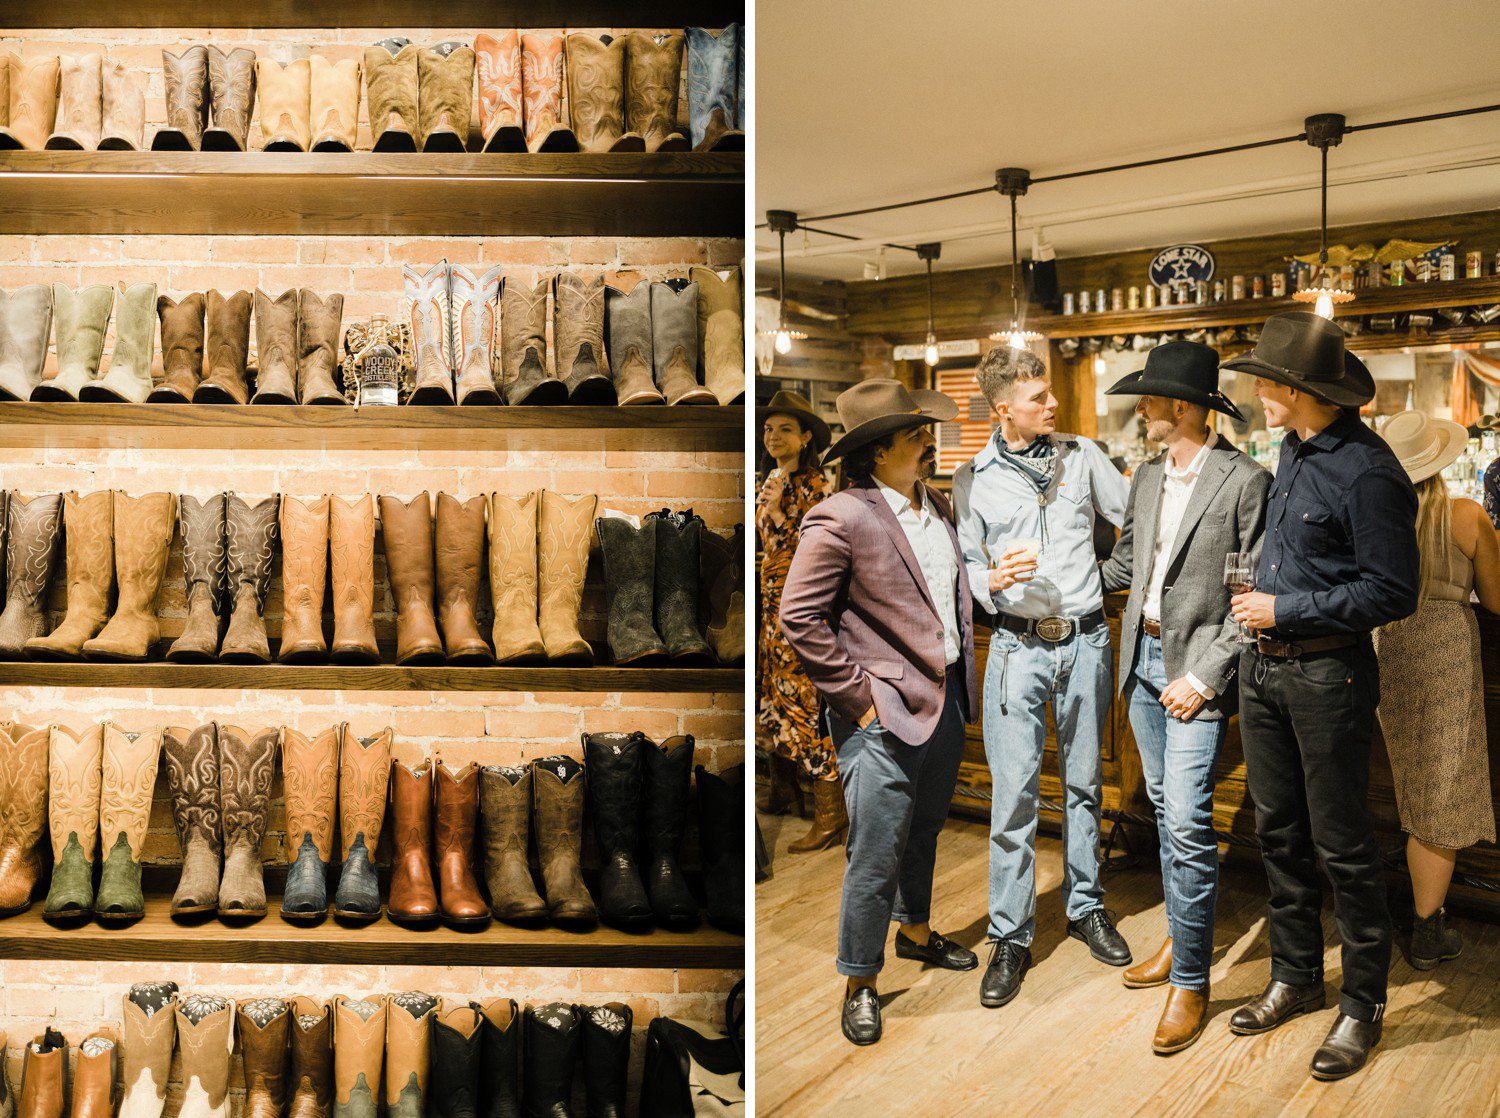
x=1431 y=689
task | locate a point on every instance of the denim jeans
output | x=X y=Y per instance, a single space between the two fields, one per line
x=1022 y=676
x=1178 y=761
x=897 y=796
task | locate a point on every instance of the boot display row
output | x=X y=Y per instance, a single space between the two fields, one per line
x=80 y=320
x=73 y=103
x=678 y=341
x=651 y=584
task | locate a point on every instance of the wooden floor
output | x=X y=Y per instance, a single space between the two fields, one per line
x=1075 y=1042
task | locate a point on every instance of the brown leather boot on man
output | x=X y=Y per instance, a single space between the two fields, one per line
x=144 y=527
x=413 y=898
x=1182 y=1020
x=304 y=573
x=456 y=817
x=459 y=555
x=406 y=529
x=351 y=548
x=1155 y=971
x=23 y=811
x=830 y=820
x=88 y=530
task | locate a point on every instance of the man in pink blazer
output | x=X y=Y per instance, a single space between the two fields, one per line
x=876 y=606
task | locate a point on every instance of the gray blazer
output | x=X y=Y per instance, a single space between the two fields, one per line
x=1227 y=512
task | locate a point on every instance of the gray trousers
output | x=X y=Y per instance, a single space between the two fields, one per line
x=897 y=796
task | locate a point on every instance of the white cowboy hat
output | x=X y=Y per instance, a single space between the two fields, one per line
x=1425 y=446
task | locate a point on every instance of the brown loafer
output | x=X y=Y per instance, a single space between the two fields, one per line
x=1155 y=971
x=1276 y=1004
x=1182 y=1020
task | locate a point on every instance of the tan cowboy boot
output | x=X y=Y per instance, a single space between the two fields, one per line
x=33 y=103
x=129 y=771
x=358 y=1055
x=1155 y=971
x=364 y=779
x=318 y=336
x=94 y=1076
x=351 y=546
x=143 y=537
x=334 y=97
x=721 y=333
x=264 y=1026
x=247 y=762
x=205 y=1037
x=204 y=560
x=830 y=823
x=44 y=1076
x=148 y=1025
x=310 y=771
x=541 y=85
x=231 y=83
x=192 y=764
x=523 y=346
x=285 y=104
x=276 y=348
x=653 y=74
x=124 y=104
x=498 y=63
x=304 y=572
x=408 y=1025
x=445 y=99
x=565 y=528
x=23 y=811
x=413 y=898
x=391 y=90
x=578 y=330
x=513 y=578
x=406 y=528
x=458 y=557
x=225 y=349
x=80 y=104
x=1182 y=1020
x=185 y=84
x=73 y=785
x=88 y=528
x=181 y=348
x=596 y=94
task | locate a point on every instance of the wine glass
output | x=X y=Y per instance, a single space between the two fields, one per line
x=1239 y=576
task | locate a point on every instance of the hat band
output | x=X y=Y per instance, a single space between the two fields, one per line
x=1430 y=453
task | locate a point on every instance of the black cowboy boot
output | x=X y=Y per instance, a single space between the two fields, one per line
x=612 y=767
x=606 y=1057
x=552 y=1037
x=629 y=588
x=456 y=1040
x=676 y=593
x=668 y=775
x=721 y=837
x=500 y=1058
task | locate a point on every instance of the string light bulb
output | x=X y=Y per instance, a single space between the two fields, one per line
x=783 y=342
x=929 y=252
x=781 y=223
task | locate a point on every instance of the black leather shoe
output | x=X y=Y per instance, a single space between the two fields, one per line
x=1346 y=1048
x=1002 y=978
x=1277 y=1004
x=1105 y=944
x=938 y=951
x=861 y=1018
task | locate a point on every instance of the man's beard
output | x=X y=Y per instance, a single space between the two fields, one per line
x=927 y=466
x=1159 y=430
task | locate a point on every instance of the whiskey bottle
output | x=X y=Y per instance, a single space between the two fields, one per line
x=378 y=367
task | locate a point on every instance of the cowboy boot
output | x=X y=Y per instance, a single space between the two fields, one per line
x=500 y=1057
x=351 y=550
x=285 y=104
x=413 y=894
x=304 y=572
x=606 y=1057
x=148 y=1027
x=23 y=811
x=557 y=789
x=473 y=304
x=192 y=758
x=445 y=97
x=246 y=765
x=676 y=596
x=458 y=557
x=830 y=819
x=713 y=89
x=653 y=73
x=721 y=333
x=94 y=1077
x=627 y=310
x=34 y=83
x=674 y=344
x=455 y=814
x=406 y=529
x=564 y=529
x=205 y=1037
x=73 y=785
x=186 y=86
x=505 y=814
x=629 y=588
x=228 y=343
x=231 y=84
x=205 y=564
x=358 y=1055
x=391 y=90
x=513 y=578
x=334 y=100
x=551 y=1047
x=408 y=1025
x=318 y=321
x=311 y=1059
x=614 y=768
x=541 y=86
x=276 y=348
x=44 y=1076
x=721 y=839
x=523 y=347
x=596 y=94
x=81 y=317
x=124 y=109
x=309 y=770
x=582 y=364
x=721 y=592
x=25 y=326
x=456 y=1061
x=80 y=104
x=432 y=332
x=264 y=1026
x=31 y=541
x=181 y=348
x=128 y=379
x=364 y=776
x=498 y=63
x=129 y=779
x=250 y=533
x=143 y=538
x=89 y=538
x=668 y=777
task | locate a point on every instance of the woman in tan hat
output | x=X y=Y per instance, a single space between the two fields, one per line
x=793 y=438
x=1431 y=690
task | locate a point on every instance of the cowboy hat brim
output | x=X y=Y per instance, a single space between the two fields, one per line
x=932 y=407
x=1136 y=384
x=821 y=433
x=1354 y=389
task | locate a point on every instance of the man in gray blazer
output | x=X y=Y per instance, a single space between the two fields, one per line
x=1190 y=507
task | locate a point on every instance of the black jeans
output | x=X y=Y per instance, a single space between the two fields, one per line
x=1306 y=726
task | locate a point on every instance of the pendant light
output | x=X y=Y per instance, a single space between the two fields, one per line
x=1324 y=130
x=930 y=252
x=782 y=222
x=1014 y=181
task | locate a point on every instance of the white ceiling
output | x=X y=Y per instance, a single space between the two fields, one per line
x=862 y=104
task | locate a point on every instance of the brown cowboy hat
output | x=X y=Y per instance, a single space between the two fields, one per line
x=1306 y=352
x=799 y=408
x=875 y=408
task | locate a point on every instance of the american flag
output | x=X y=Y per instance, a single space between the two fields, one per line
x=963 y=438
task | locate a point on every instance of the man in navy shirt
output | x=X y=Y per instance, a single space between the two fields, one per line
x=1339 y=558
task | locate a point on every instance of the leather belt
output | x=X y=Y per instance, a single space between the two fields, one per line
x=1151 y=628
x=1053 y=629
x=1290 y=650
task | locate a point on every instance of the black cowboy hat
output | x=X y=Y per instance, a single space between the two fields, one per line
x=1179 y=371
x=879 y=406
x=1306 y=352
x=799 y=408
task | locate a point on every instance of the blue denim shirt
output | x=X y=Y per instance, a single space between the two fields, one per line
x=996 y=505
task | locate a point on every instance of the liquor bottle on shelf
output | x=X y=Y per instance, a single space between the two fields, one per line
x=377 y=367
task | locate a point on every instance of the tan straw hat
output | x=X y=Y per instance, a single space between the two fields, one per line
x=1425 y=446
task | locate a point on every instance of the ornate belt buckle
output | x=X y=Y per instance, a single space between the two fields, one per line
x=1054 y=629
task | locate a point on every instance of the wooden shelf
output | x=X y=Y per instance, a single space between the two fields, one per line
x=119 y=192
x=383 y=677
x=210 y=426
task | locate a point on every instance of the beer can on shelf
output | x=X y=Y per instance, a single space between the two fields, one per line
x=1236 y=287
x=1101 y=300
x=1166 y=295
x=1150 y=296
x=1424 y=269
x=1085 y=303
x=1117 y=299
x=1474 y=265
x=1278 y=285
x=1068 y=302
x=1133 y=299
x=1200 y=291
x=1219 y=291
x=1398 y=273
x=1447 y=267
x=1257 y=287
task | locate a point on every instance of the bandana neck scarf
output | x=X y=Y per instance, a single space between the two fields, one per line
x=1037 y=460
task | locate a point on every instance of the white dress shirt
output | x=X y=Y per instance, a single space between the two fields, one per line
x=933 y=547
x=1176 y=491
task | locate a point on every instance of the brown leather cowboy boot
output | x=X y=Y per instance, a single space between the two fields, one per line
x=653 y=74
x=31 y=539
x=596 y=94
x=391 y=90
x=1182 y=1020
x=505 y=814
x=310 y=772
x=1155 y=971
x=250 y=534
x=228 y=342
x=44 y=1076
x=186 y=86
x=88 y=525
x=408 y=1027
x=231 y=83
x=830 y=822
x=334 y=100
x=523 y=347
x=413 y=897
x=149 y=1034
x=94 y=1076
x=192 y=764
x=318 y=321
x=564 y=531
x=312 y=1058
x=358 y=1055
x=205 y=1038
x=364 y=778
x=144 y=527
x=459 y=554
x=181 y=349
x=578 y=328
x=513 y=578
x=247 y=762
x=498 y=63
x=351 y=547
x=406 y=528
x=264 y=1026
x=456 y=815
x=304 y=572
x=204 y=564
x=276 y=348
x=558 y=795
x=23 y=811
x=721 y=590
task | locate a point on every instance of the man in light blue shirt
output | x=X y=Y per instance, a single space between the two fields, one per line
x=1026 y=508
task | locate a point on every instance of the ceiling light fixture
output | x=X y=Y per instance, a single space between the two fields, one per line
x=782 y=222
x=1013 y=182
x=930 y=252
x=1324 y=131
